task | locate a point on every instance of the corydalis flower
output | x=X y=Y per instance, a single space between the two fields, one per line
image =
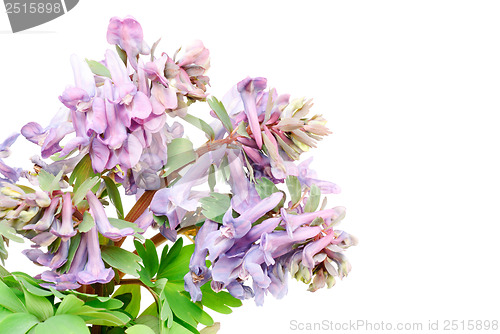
x=102 y=221
x=127 y=33
x=94 y=271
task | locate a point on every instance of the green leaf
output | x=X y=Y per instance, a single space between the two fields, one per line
x=83 y=171
x=49 y=182
x=65 y=323
x=139 y=329
x=39 y=306
x=87 y=223
x=294 y=188
x=69 y=305
x=121 y=259
x=34 y=289
x=180 y=153
x=149 y=257
x=150 y=321
x=9 y=232
x=168 y=256
x=242 y=131
x=211 y=178
x=313 y=200
x=82 y=190
x=178 y=267
x=181 y=327
x=103 y=318
x=200 y=124
x=133 y=307
x=122 y=54
x=221 y=113
x=215 y=206
x=185 y=309
x=218 y=301
x=265 y=187
x=121 y=224
x=114 y=196
x=17 y=323
x=9 y=299
x=110 y=303
x=98 y=68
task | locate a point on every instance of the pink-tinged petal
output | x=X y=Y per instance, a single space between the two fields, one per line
x=73 y=96
x=155 y=123
x=96 y=118
x=119 y=75
x=34 y=133
x=163 y=98
x=84 y=78
x=99 y=155
x=94 y=271
x=74 y=143
x=196 y=53
x=155 y=70
x=142 y=80
x=140 y=107
x=65 y=231
x=314 y=248
x=130 y=152
x=248 y=89
x=102 y=221
x=48 y=217
x=127 y=33
x=54 y=261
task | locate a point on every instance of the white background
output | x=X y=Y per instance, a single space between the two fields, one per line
x=411 y=92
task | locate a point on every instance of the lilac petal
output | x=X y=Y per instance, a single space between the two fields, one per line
x=54 y=261
x=12 y=174
x=102 y=221
x=73 y=96
x=99 y=153
x=248 y=89
x=118 y=71
x=33 y=254
x=294 y=221
x=255 y=233
x=314 y=248
x=156 y=69
x=94 y=271
x=130 y=152
x=48 y=217
x=245 y=196
x=145 y=220
x=127 y=33
x=252 y=264
x=33 y=132
x=114 y=135
x=84 y=78
x=168 y=232
x=197 y=262
x=195 y=53
x=44 y=239
x=141 y=107
x=238 y=227
x=7 y=143
x=240 y=291
x=163 y=98
x=226 y=269
x=62 y=282
x=66 y=230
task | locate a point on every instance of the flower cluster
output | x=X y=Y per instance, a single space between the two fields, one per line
x=120 y=131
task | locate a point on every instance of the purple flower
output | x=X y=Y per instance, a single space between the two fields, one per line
x=12 y=174
x=308 y=177
x=55 y=260
x=102 y=221
x=127 y=33
x=50 y=137
x=249 y=88
x=65 y=230
x=292 y=222
x=94 y=271
x=48 y=217
x=79 y=97
x=314 y=248
x=198 y=272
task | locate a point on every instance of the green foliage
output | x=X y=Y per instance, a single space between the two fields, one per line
x=265 y=187
x=221 y=113
x=9 y=232
x=80 y=193
x=200 y=124
x=215 y=206
x=313 y=200
x=150 y=261
x=218 y=301
x=121 y=259
x=98 y=68
x=114 y=196
x=66 y=323
x=87 y=222
x=49 y=182
x=180 y=153
x=139 y=329
x=83 y=171
x=132 y=300
x=17 y=323
x=294 y=188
